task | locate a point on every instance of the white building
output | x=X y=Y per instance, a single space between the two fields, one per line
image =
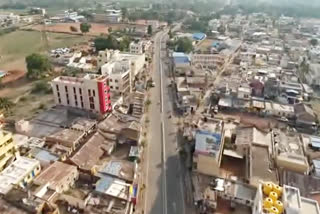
x=89 y=93
x=19 y=173
x=291 y=202
x=119 y=76
x=136 y=47
x=117 y=64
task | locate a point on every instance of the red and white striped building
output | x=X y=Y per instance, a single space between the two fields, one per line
x=92 y=92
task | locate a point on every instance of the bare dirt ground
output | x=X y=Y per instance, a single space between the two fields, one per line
x=95 y=30
x=12 y=75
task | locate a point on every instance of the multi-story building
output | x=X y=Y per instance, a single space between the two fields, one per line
x=92 y=92
x=7 y=148
x=136 y=47
x=121 y=67
x=19 y=173
x=209 y=140
x=119 y=76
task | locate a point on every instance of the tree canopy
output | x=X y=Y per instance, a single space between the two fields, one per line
x=110 y=42
x=37 y=65
x=314 y=42
x=85 y=27
x=183 y=45
x=149 y=29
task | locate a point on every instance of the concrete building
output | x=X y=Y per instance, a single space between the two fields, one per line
x=291 y=200
x=136 y=47
x=279 y=110
x=19 y=173
x=119 y=76
x=58 y=176
x=7 y=148
x=89 y=93
x=209 y=142
x=207 y=60
x=289 y=153
x=121 y=68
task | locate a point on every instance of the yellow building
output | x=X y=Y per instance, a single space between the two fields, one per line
x=7 y=148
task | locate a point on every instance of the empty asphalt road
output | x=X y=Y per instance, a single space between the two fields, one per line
x=164 y=187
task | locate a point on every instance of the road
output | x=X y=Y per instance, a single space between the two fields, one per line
x=164 y=183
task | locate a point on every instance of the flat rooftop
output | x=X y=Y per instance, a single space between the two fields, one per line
x=55 y=173
x=259 y=166
x=15 y=172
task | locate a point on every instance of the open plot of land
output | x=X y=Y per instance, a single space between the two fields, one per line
x=205 y=45
x=15 y=46
x=95 y=30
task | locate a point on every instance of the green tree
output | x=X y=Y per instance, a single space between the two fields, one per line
x=5 y=104
x=85 y=27
x=102 y=43
x=41 y=87
x=124 y=12
x=184 y=45
x=37 y=65
x=314 y=42
x=170 y=34
x=149 y=29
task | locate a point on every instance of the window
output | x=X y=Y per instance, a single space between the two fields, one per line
x=91 y=106
x=59 y=94
x=76 y=103
x=110 y=80
x=94 y=93
x=117 y=88
x=81 y=98
x=59 y=100
x=68 y=102
x=81 y=104
x=57 y=87
x=91 y=99
x=74 y=89
x=80 y=91
x=111 y=87
x=116 y=80
x=89 y=92
x=66 y=88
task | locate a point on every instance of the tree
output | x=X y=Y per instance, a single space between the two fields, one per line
x=314 y=42
x=85 y=27
x=149 y=29
x=37 y=65
x=170 y=34
x=73 y=29
x=184 y=45
x=124 y=12
x=110 y=30
x=5 y=104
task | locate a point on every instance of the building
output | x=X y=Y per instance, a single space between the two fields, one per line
x=279 y=110
x=136 y=47
x=58 y=176
x=7 y=148
x=90 y=93
x=289 y=154
x=121 y=68
x=209 y=142
x=291 y=201
x=181 y=63
x=305 y=116
x=19 y=173
x=207 y=60
x=119 y=76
